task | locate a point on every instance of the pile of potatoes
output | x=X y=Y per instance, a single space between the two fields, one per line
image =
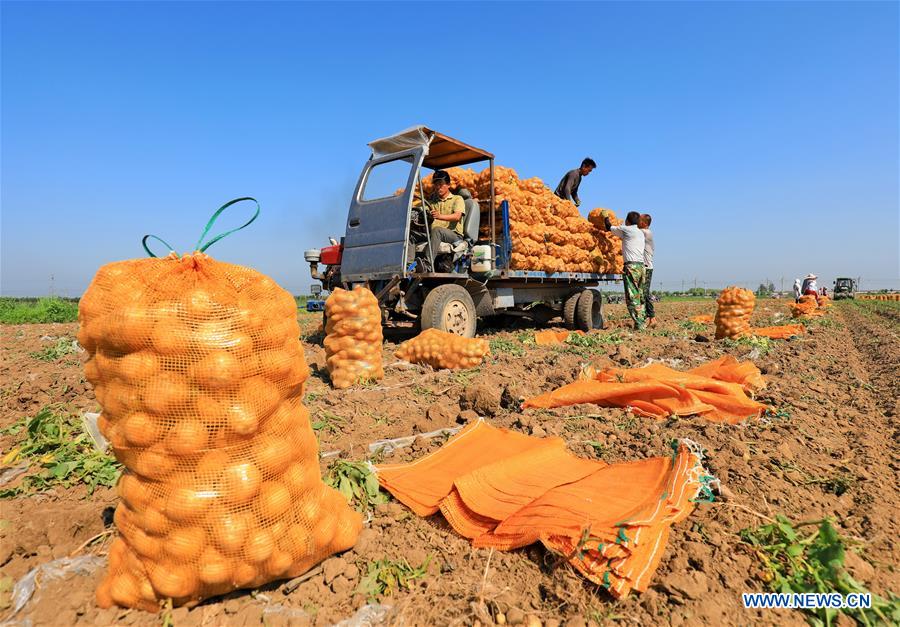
x=548 y=233
x=353 y=337
x=199 y=372
x=440 y=349
x=733 y=314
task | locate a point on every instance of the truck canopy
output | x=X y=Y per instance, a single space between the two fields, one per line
x=441 y=151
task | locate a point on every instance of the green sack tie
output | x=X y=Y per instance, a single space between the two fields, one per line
x=159 y=239
x=201 y=247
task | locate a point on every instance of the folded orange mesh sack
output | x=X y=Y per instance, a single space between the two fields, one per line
x=735 y=306
x=550 y=337
x=353 y=337
x=716 y=390
x=504 y=490
x=199 y=370
x=440 y=349
x=702 y=318
x=782 y=332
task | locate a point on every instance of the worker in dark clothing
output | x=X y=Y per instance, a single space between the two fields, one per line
x=568 y=186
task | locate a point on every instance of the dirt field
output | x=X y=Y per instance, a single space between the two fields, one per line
x=831 y=450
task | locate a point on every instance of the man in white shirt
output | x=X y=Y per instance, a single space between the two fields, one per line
x=798 y=290
x=633 y=273
x=646 y=219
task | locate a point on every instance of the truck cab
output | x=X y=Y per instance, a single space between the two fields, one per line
x=420 y=284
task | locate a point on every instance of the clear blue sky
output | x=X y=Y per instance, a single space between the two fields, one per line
x=763 y=136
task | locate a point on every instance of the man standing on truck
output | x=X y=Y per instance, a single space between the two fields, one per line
x=447 y=211
x=646 y=219
x=633 y=272
x=568 y=186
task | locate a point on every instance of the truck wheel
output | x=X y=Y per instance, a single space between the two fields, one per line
x=589 y=311
x=449 y=308
x=569 y=310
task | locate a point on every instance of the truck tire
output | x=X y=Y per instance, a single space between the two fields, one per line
x=589 y=311
x=569 y=310
x=449 y=308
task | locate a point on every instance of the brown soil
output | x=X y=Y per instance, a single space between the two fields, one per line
x=839 y=385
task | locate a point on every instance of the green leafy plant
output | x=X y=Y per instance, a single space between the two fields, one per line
x=794 y=563
x=329 y=422
x=59 y=453
x=64 y=346
x=37 y=310
x=590 y=343
x=506 y=345
x=693 y=327
x=357 y=482
x=384 y=577
x=763 y=345
x=599 y=449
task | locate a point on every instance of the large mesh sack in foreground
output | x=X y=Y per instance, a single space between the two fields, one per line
x=199 y=371
x=440 y=349
x=353 y=337
x=733 y=315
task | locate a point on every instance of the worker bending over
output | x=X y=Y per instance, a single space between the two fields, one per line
x=568 y=186
x=633 y=272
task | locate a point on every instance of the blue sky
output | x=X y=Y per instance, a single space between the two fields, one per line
x=763 y=137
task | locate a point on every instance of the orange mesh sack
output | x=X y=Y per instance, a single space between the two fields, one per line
x=733 y=315
x=440 y=349
x=806 y=307
x=353 y=337
x=199 y=372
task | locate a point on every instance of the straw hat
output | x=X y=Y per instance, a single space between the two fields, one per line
x=810 y=276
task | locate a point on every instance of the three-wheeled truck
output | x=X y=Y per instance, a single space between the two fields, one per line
x=422 y=284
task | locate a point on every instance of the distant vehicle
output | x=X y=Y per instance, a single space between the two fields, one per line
x=844 y=288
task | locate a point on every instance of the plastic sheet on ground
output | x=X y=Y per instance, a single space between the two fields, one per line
x=502 y=489
x=367 y=616
x=716 y=390
x=25 y=587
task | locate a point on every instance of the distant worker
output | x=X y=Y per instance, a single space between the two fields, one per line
x=644 y=225
x=809 y=285
x=447 y=211
x=798 y=290
x=824 y=291
x=568 y=186
x=633 y=272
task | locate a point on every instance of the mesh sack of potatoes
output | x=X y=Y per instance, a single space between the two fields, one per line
x=735 y=306
x=199 y=372
x=353 y=337
x=807 y=306
x=440 y=349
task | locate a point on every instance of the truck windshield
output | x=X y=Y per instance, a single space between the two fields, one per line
x=387 y=179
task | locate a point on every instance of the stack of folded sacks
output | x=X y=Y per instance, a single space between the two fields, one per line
x=505 y=490
x=782 y=332
x=717 y=391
